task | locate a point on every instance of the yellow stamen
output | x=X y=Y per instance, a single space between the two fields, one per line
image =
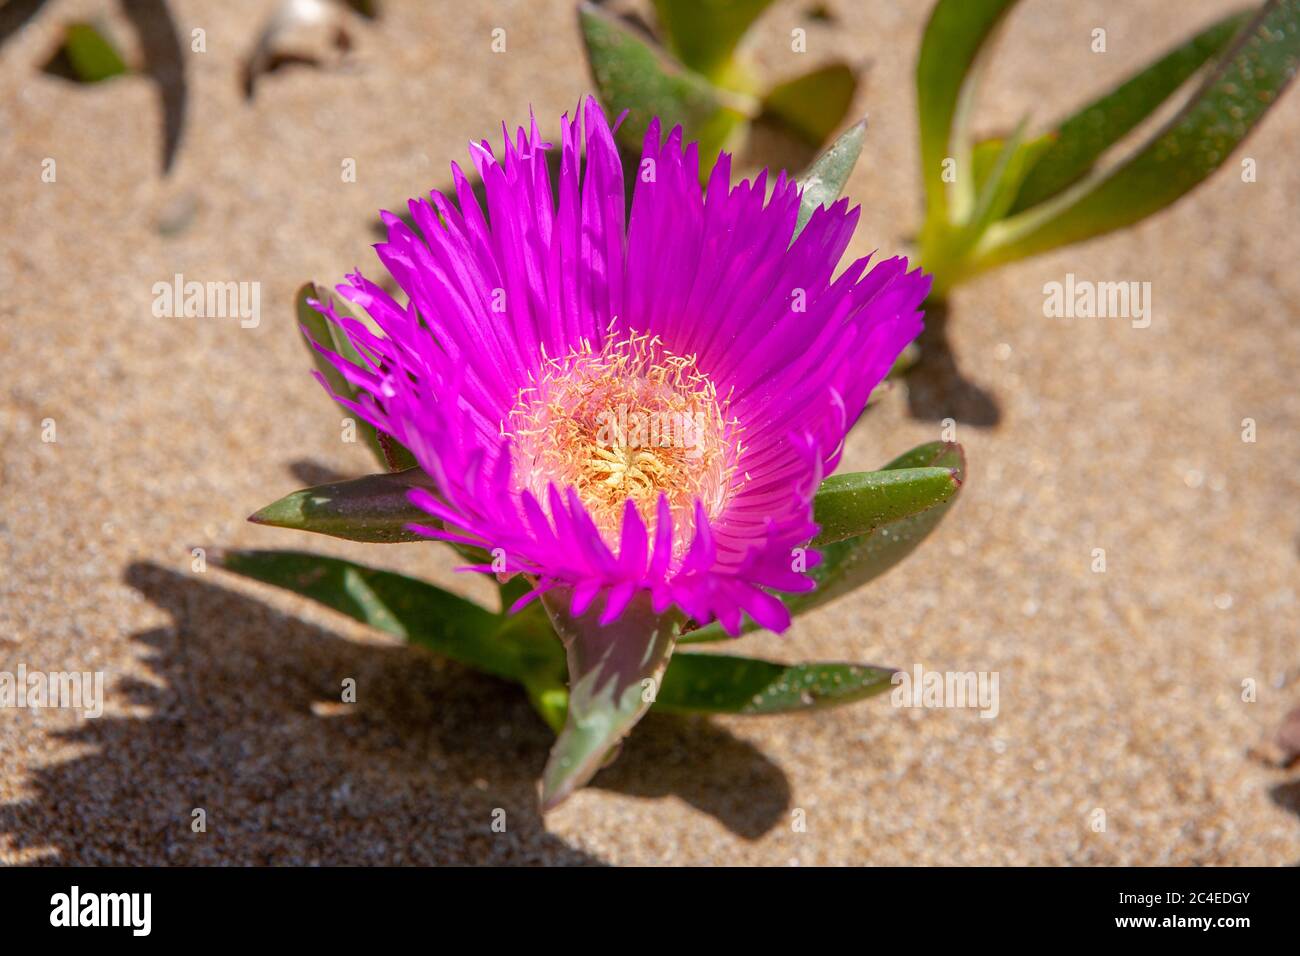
x=630 y=420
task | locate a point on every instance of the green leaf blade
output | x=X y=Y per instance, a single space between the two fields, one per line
x=387 y=450
x=815 y=104
x=823 y=181
x=849 y=564
x=632 y=75
x=987 y=153
x=318 y=330
x=518 y=647
x=704 y=34
x=996 y=187
x=1081 y=139
x=91 y=55
x=1234 y=98
x=955 y=34
x=849 y=505
x=376 y=508
x=723 y=684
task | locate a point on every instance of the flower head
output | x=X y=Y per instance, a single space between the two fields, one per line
x=614 y=408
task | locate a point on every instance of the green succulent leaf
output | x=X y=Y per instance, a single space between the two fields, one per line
x=1235 y=96
x=633 y=75
x=986 y=154
x=722 y=684
x=854 y=504
x=823 y=181
x=91 y=55
x=375 y=508
x=389 y=452
x=955 y=35
x=523 y=648
x=614 y=675
x=998 y=190
x=1077 y=143
x=517 y=647
x=997 y=180
x=703 y=34
x=850 y=563
x=815 y=104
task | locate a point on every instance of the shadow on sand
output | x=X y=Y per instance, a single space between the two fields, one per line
x=242 y=720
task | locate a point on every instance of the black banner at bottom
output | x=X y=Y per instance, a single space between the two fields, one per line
x=330 y=906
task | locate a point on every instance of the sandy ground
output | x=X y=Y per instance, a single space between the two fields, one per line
x=1120 y=691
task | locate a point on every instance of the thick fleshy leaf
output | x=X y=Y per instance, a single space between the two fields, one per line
x=848 y=564
x=389 y=452
x=998 y=178
x=703 y=34
x=815 y=104
x=1004 y=178
x=519 y=647
x=1234 y=97
x=823 y=181
x=723 y=684
x=954 y=36
x=631 y=74
x=987 y=153
x=375 y=508
x=1077 y=142
x=996 y=192
x=854 y=504
x=91 y=56
x=614 y=675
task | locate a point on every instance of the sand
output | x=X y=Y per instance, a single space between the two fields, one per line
x=1121 y=691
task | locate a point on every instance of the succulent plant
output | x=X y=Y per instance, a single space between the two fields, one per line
x=996 y=200
x=696 y=73
x=988 y=201
x=614 y=557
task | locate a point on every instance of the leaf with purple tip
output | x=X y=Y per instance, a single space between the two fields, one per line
x=614 y=676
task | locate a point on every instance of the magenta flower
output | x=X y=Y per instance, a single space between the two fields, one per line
x=621 y=410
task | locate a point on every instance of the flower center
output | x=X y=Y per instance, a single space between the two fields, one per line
x=632 y=421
